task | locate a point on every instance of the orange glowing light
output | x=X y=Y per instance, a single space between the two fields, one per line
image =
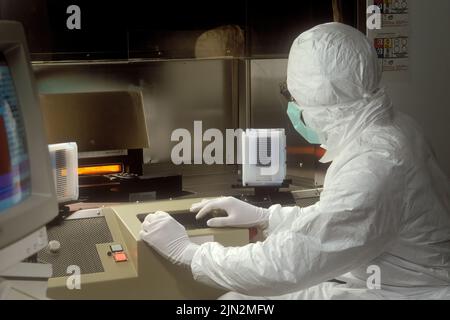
x=307 y=150
x=100 y=170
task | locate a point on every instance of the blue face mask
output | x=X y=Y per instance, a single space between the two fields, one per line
x=295 y=115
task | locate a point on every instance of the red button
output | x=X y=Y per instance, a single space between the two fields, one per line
x=120 y=257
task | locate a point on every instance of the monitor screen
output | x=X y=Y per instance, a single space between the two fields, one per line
x=15 y=177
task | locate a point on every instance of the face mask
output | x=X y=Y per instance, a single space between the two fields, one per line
x=295 y=115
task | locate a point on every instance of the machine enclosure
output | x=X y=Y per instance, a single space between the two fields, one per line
x=146 y=275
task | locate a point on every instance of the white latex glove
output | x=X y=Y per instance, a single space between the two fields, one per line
x=240 y=214
x=169 y=238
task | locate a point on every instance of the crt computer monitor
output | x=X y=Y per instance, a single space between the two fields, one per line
x=27 y=196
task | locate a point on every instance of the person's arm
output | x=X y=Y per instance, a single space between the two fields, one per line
x=357 y=218
x=240 y=214
x=282 y=218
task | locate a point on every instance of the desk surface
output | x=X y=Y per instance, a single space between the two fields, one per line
x=217 y=185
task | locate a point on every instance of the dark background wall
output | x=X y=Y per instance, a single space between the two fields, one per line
x=164 y=29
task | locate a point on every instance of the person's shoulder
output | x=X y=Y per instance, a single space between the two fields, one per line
x=377 y=156
x=383 y=144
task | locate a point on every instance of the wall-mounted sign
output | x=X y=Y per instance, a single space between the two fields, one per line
x=392 y=40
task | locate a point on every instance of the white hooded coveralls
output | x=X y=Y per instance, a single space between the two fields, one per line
x=385 y=201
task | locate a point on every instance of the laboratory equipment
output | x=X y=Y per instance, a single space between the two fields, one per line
x=264 y=157
x=64 y=159
x=110 y=130
x=264 y=168
x=27 y=195
x=99 y=255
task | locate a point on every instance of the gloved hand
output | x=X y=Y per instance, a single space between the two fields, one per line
x=240 y=214
x=169 y=238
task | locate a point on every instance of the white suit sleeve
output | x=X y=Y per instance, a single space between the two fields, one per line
x=353 y=223
x=281 y=219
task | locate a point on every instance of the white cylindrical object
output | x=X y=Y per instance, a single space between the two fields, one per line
x=64 y=159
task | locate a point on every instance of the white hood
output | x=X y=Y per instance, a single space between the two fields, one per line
x=334 y=75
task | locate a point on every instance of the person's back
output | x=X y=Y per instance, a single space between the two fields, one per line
x=419 y=255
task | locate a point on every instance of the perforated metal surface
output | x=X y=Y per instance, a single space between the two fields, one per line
x=78 y=240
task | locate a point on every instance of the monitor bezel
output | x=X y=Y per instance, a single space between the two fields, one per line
x=41 y=206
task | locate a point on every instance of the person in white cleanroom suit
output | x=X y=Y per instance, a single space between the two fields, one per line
x=384 y=210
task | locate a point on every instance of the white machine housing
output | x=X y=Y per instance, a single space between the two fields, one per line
x=263 y=157
x=64 y=158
